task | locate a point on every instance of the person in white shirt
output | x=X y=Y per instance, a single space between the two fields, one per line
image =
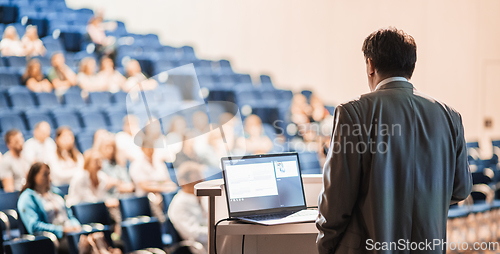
x=13 y=167
x=187 y=212
x=135 y=76
x=11 y=45
x=125 y=139
x=150 y=175
x=91 y=185
x=109 y=76
x=40 y=148
x=32 y=44
x=68 y=160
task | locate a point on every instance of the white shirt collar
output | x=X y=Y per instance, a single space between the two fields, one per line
x=387 y=80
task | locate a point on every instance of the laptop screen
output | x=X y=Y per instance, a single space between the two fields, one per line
x=263 y=183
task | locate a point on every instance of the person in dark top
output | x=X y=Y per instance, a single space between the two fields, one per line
x=34 y=79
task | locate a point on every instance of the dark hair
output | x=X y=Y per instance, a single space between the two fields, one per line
x=73 y=152
x=10 y=134
x=392 y=52
x=30 y=179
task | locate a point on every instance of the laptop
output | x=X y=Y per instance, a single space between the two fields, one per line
x=266 y=189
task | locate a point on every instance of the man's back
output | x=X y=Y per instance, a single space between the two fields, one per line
x=396 y=161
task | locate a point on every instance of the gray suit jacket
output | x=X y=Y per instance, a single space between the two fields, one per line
x=397 y=160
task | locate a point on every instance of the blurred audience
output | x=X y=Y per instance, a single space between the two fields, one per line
x=68 y=160
x=60 y=75
x=41 y=146
x=96 y=29
x=114 y=165
x=91 y=185
x=87 y=78
x=175 y=135
x=11 y=45
x=188 y=152
x=112 y=78
x=33 y=46
x=256 y=141
x=125 y=138
x=149 y=174
x=135 y=77
x=42 y=208
x=34 y=79
x=99 y=136
x=318 y=109
x=187 y=212
x=13 y=166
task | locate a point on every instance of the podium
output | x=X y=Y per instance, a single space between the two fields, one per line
x=286 y=238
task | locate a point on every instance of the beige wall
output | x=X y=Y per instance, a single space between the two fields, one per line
x=316 y=44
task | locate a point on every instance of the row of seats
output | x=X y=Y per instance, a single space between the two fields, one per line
x=139 y=229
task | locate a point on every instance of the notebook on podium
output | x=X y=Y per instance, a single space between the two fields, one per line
x=266 y=189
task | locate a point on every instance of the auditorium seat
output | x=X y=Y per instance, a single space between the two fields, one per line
x=119 y=98
x=93 y=119
x=11 y=121
x=85 y=140
x=9 y=79
x=88 y=213
x=73 y=99
x=138 y=234
x=115 y=116
x=8 y=210
x=39 y=245
x=134 y=207
x=35 y=117
x=101 y=99
x=47 y=100
x=69 y=119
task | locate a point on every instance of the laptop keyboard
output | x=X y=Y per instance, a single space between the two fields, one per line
x=275 y=216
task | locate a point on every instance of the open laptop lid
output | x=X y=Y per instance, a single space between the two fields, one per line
x=263 y=184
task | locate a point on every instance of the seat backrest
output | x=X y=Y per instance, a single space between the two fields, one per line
x=94 y=120
x=73 y=99
x=68 y=119
x=22 y=100
x=88 y=213
x=8 y=122
x=46 y=100
x=33 y=119
x=135 y=207
x=137 y=234
x=39 y=245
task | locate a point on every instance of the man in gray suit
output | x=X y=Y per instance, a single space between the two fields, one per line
x=397 y=160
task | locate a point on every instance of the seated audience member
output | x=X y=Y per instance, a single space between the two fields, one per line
x=150 y=175
x=87 y=78
x=318 y=109
x=135 y=77
x=33 y=46
x=60 y=75
x=187 y=212
x=113 y=79
x=96 y=30
x=34 y=79
x=91 y=185
x=99 y=136
x=13 y=167
x=256 y=141
x=68 y=159
x=10 y=45
x=42 y=207
x=188 y=152
x=300 y=110
x=41 y=146
x=114 y=165
x=125 y=139
x=175 y=135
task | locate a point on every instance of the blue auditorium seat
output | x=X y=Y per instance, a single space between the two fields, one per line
x=67 y=119
x=47 y=100
x=307 y=94
x=3 y=101
x=39 y=245
x=224 y=67
x=93 y=119
x=331 y=109
x=102 y=99
x=73 y=100
x=8 y=206
x=115 y=117
x=266 y=82
x=9 y=79
x=36 y=117
x=88 y=213
x=18 y=89
x=71 y=40
x=11 y=121
x=141 y=234
x=119 y=98
x=3 y=146
x=187 y=53
x=8 y=14
x=16 y=61
x=85 y=140
x=309 y=163
x=134 y=207
x=22 y=100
